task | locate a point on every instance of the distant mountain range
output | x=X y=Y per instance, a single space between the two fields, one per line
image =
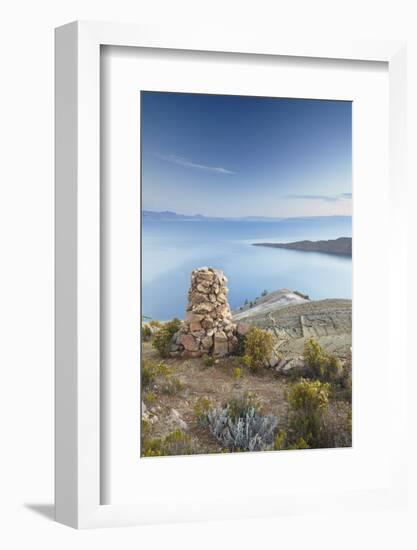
x=168 y=216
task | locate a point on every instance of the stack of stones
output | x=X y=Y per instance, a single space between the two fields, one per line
x=208 y=326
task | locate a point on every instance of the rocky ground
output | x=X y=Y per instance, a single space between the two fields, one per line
x=168 y=411
x=291 y=317
x=217 y=383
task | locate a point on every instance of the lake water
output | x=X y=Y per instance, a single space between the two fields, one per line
x=171 y=250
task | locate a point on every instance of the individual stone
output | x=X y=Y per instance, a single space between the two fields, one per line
x=222 y=298
x=243 y=328
x=223 y=310
x=232 y=345
x=203 y=288
x=191 y=354
x=220 y=335
x=189 y=342
x=221 y=348
x=176 y=420
x=295 y=365
x=206 y=276
x=203 y=307
x=192 y=317
x=207 y=342
x=273 y=360
x=197 y=298
x=281 y=364
x=195 y=327
x=207 y=324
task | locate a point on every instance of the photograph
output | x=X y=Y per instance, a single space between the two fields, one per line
x=246 y=274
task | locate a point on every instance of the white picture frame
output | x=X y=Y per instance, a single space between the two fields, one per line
x=78 y=405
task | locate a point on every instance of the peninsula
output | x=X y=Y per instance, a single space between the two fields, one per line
x=341 y=246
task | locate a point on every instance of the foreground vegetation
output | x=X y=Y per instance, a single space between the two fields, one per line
x=237 y=404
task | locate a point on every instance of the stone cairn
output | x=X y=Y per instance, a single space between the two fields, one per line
x=208 y=327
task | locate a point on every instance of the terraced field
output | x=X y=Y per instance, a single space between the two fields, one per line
x=327 y=321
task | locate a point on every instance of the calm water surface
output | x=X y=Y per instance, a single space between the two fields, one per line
x=171 y=250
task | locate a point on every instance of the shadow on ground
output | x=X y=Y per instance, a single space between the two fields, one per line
x=45 y=510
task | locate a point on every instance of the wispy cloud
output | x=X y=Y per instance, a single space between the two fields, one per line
x=325 y=198
x=174 y=159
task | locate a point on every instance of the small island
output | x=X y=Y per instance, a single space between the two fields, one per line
x=341 y=246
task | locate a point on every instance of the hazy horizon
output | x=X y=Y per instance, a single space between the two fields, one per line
x=198 y=214
x=237 y=156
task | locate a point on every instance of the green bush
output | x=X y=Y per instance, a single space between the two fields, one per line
x=151 y=447
x=146 y=333
x=337 y=426
x=163 y=338
x=178 y=443
x=280 y=440
x=240 y=347
x=258 y=347
x=237 y=373
x=241 y=405
x=208 y=361
x=308 y=400
x=146 y=428
x=172 y=386
x=150 y=371
x=149 y=397
x=299 y=444
x=174 y=444
x=201 y=409
x=346 y=379
x=324 y=366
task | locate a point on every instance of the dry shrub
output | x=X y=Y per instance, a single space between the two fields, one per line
x=309 y=401
x=201 y=409
x=346 y=379
x=151 y=371
x=324 y=366
x=146 y=333
x=251 y=432
x=259 y=344
x=174 y=444
x=337 y=426
x=163 y=339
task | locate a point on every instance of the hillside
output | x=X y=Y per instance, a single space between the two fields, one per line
x=269 y=303
x=293 y=319
x=342 y=246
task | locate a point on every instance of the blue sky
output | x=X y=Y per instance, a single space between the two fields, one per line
x=245 y=156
